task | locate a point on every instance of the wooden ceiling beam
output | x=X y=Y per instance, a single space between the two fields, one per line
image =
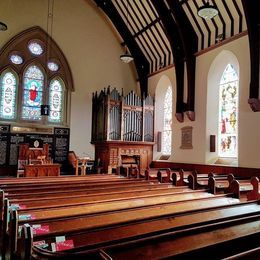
x=141 y=63
x=190 y=47
x=253 y=27
x=173 y=36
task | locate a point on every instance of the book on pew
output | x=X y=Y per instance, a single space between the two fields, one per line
x=62 y=244
x=17 y=206
x=40 y=244
x=40 y=229
x=27 y=217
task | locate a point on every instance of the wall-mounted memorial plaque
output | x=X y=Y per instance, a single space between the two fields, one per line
x=15 y=140
x=186 y=137
x=4 y=144
x=61 y=144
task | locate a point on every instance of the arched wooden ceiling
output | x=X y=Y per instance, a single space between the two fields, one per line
x=167 y=32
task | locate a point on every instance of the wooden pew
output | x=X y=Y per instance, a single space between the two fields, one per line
x=59 y=194
x=120 y=217
x=113 y=236
x=160 y=174
x=248 y=254
x=219 y=183
x=197 y=180
x=254 y=194
x=150 y=190
x=67 y=200
x=239 y=188
x=180 y=178
x=55 y=179
x=55 y=185
x=193 y=243
x=71 y=188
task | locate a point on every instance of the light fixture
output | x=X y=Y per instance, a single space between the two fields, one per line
x=207 y=11
x=3 y=26
x=126 y=57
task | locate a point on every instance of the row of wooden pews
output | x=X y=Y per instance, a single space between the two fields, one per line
x=108 y=217
x=239 y=186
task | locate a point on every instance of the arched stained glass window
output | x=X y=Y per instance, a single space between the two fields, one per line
x=8 y=95
x=167 y=123
x=33 y=83
x=56 y=100
x=228 y=110
x=42 y=81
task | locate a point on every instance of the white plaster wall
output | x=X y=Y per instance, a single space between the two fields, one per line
x=206 y=115
x=91 y=47
x=157 y=85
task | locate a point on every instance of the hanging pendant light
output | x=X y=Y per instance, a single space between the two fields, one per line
x=126 y=57
x=3 y=26
x=207 y=11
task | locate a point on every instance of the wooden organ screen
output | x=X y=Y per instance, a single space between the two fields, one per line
x=115 y=117
x=122 y=121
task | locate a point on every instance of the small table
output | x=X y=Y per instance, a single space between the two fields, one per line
x=42 y=170
x=83 y=164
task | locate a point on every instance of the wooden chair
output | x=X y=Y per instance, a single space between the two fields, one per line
x=77 y=163
x=20 y=168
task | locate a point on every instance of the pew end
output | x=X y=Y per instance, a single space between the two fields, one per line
x=254 y=194
x=234 y=189
x=26 y=242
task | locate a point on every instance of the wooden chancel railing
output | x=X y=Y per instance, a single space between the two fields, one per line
x=122 y=118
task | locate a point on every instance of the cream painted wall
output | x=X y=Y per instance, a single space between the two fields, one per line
x=157 y=85
x=249 y=122
x=91 y=47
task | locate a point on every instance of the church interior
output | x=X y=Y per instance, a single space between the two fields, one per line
x=129 y=129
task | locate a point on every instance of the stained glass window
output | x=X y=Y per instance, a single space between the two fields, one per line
x=24 y=88
x=228 y=110
x=53 y=66
x=167 y=123
x=56 y=100
x=35 y=48
x=8 y=95
x=16 y=59
x=33 y=82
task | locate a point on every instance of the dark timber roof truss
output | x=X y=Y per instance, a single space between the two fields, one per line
x=169 y=32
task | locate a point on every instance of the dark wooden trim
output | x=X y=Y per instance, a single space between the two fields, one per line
x=172 y=32
x=228 y=40
x=204 y=22
x=231 y=39
x=253 y=27
x=190 y=46
x=197 y=24
x=222 y=20
x=214 y=24
x=239 y=14
x=161 y=70
x=230 y=17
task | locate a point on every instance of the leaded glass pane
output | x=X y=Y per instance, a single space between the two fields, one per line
x=167 y=124
x=32 y=93
x=35 y=48
x=8 y=96
x=16 y=59
x=56 y=97
x=228 y=110
x=53 y=66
